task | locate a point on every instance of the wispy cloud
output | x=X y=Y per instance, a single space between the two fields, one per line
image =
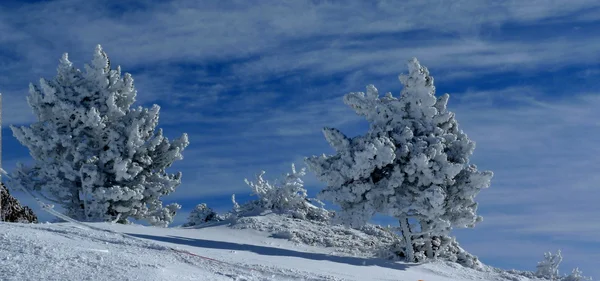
x=524 y=252
x=317 y=39
x=544 y=157
x=323 y=37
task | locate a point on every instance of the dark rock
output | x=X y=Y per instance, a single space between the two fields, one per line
x=12 y=211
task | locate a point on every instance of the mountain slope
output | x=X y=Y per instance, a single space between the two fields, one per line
x=69 y=252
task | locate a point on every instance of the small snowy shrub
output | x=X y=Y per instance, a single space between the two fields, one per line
x=548 y=268
x=455 y=253
x=447 y=249
x=364 y=241
x=287 y=196
x=202 y=214
x=412 y=164
x=576 y=275
x=94 y=155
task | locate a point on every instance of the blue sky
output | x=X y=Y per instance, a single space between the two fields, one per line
x=253 y=82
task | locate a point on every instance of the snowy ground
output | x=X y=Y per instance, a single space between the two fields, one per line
x=69 y=252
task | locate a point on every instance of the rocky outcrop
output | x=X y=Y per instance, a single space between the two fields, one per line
x=12 y=211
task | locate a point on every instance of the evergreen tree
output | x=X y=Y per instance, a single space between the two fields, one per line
x=97 y=157
x=412 y=164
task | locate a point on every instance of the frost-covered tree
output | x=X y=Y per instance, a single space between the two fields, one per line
x=287 y=195
x=548 y=268
x=412 y=164
x=97 y=157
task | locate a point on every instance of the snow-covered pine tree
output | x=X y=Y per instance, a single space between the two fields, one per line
x=94 y=155
x=412 y=164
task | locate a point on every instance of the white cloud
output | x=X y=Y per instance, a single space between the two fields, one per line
x=318 y=38
x=287 y=35
x=544 y=155
x=523 y=252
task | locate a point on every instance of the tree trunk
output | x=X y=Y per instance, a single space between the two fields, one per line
x=407 y=235
x=425 y=229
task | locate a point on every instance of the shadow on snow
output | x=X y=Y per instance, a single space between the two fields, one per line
x=271 y=251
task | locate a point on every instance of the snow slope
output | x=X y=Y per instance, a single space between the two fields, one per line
x=69 y=252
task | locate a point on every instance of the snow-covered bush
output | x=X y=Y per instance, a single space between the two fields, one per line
x=451 y=252
x=548 y=268
x=285 y=196
x=412 y=164
x=95 y=155
x=455 y=253
x=365 y=241
x=576 y=275
x=203 y=214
